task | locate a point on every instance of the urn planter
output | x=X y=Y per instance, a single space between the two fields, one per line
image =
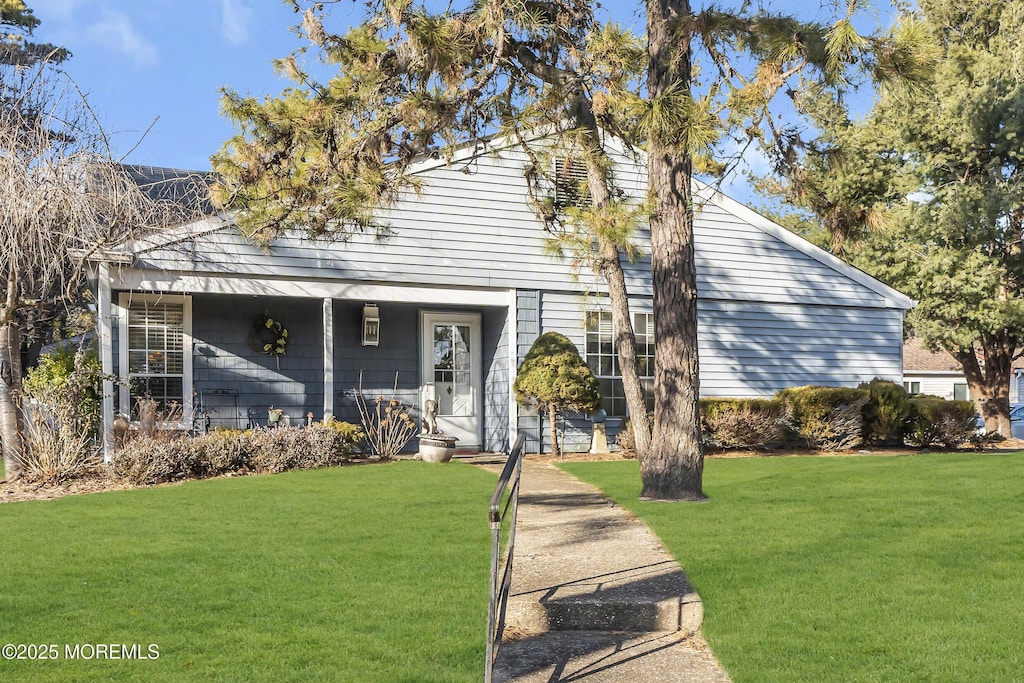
x=437 y=447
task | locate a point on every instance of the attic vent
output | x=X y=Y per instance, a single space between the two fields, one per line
x=570 y=183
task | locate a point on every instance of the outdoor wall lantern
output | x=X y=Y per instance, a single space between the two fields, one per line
x=371 y=325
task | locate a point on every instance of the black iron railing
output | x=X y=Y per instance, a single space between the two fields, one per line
x=504 y=505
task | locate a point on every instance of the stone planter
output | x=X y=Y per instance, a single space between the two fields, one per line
x=437 y=448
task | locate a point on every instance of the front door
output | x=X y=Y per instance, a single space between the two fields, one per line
x=452 y=374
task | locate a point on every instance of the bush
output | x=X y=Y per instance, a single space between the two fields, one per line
x=742 y=422
x=153 y=460
x=827 y=418
x=554 y=378
x=886 y=413
x=350 y=434
x=148 y=460
x=62 y=416
x=935 y=421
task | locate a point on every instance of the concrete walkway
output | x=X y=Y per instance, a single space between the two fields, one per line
x=595 y=596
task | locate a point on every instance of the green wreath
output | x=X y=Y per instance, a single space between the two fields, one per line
x=269 y=336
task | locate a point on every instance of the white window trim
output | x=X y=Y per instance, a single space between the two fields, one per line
x=124 y=300
x=633 y=315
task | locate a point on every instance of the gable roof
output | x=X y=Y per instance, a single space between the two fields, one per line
x=169 y=183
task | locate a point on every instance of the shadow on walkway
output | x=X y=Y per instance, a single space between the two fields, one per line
x=595 y=596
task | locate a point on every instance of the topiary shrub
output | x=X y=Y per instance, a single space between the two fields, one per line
x=742 y=422
x=555 y=378
x=825 y=418
x=886 y=413
x=935 y=421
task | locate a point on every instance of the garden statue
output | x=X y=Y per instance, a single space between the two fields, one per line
x=429 y=417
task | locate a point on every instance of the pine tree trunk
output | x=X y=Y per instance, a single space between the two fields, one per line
x=11 y=428
x=990 y=387
x=552 y=415
x=674 y=466
x=610 y=266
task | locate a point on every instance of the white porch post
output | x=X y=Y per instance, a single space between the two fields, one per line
x=106 y=343
x=328 y=358
x=512 y=324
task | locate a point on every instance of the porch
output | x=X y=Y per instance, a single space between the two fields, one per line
x=198 y=350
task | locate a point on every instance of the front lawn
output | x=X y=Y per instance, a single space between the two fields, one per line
x=362 y=573
x=852 y=568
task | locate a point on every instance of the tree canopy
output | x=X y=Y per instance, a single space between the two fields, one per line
x=413 y=83
x=932 y=186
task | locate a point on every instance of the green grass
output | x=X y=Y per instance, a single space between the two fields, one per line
x=366 y=573
x=851 y=569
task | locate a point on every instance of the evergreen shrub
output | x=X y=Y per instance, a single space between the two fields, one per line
x=825 y=418
x=886 y=413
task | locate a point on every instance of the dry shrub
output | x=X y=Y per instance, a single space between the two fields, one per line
x=937 y=422
x=157 y=459
x=742 y=423
x=54 y=452
x=625 y=439
x=148 y=460
x=61 y=417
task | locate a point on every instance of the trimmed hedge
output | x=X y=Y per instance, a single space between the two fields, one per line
x=742 y=422
x=154 y=460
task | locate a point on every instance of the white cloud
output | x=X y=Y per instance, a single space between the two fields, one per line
x=116 y=31
x=236 y=17
x=55 y=10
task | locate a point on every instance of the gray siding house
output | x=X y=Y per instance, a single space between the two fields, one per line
x=458 y=293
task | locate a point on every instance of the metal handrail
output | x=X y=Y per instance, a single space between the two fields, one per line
x=497 y=514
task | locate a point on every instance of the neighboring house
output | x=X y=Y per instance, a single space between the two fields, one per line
x=448 y=306
x=937 y=373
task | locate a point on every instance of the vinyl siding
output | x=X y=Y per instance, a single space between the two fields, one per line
x=231 y=378
x=476 y=230
x=774 y=311
x=528 y=307
x=496 y=380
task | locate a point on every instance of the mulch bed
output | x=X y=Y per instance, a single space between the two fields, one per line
x=96 y=482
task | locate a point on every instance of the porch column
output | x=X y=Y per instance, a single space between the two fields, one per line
x=512 y=325
x=328 y=358
x=106 y=343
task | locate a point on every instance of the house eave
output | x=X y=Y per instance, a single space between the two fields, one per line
x=102 y=256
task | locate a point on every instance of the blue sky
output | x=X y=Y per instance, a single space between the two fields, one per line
x=163 y=62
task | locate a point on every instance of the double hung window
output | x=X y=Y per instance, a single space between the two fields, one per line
x=603 y=359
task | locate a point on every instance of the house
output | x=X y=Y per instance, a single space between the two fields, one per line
x=937 y=373
x=449 y=304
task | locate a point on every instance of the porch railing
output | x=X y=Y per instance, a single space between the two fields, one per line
x=503 y=507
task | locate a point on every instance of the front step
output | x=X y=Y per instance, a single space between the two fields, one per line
x=571 y=609
x=603 y=657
